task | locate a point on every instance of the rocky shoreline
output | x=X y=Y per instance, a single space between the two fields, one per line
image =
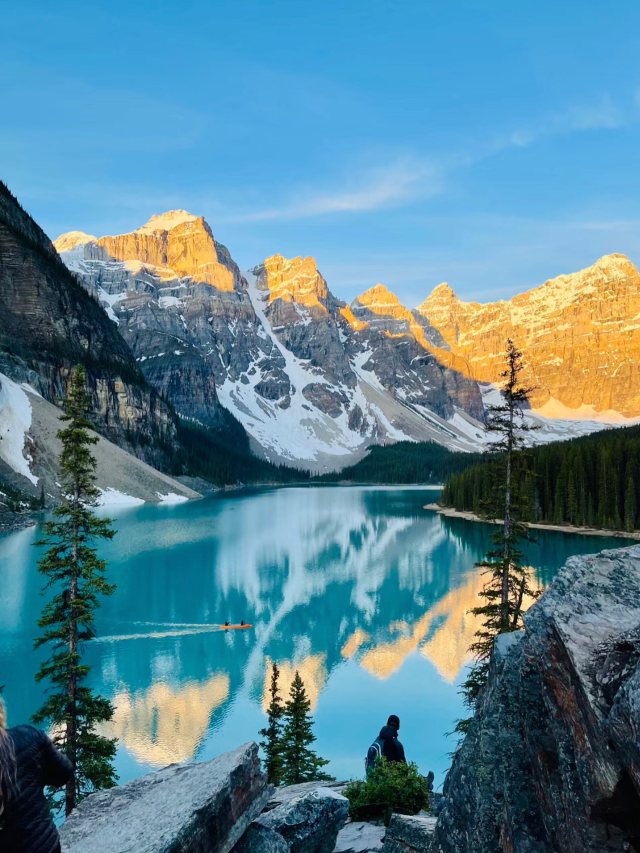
x=11 y=522
x=450 y=512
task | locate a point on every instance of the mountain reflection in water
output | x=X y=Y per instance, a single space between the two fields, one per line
x=361 y=590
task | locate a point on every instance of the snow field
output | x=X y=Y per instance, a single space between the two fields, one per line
x=15 y=421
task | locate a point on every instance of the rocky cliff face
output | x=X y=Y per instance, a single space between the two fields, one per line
x=310 y=381
x=579 y=333
x=552 y=760
x=50 y=323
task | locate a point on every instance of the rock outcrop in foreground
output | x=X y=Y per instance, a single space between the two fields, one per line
x=187 y=807
x=551 y=763
x=210 y=807
x=306 y=824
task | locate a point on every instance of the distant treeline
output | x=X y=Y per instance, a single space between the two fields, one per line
x=224 y=457
x=406 y=462
x=593 y=481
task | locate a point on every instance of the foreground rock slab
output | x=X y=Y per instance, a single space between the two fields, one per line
x=407 y=834
x=286 y=793
x=551 y=763
x=191 y=808
x=360 y=836
x=308 y=824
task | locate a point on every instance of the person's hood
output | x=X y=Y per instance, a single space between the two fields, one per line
x=388 y=731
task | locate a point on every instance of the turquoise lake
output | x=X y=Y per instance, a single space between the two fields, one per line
x=362 y=590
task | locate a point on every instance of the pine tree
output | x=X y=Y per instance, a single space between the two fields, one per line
x=630 y=507
x=508 y=576
x=558 y=514
x=583 y=505
x=572 y=500
x=272 y=734
x=301 y=764
x=77 y=577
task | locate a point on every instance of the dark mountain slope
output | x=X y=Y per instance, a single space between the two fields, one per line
x=50 y=323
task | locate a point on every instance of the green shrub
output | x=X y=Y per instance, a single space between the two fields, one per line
x=390 y=787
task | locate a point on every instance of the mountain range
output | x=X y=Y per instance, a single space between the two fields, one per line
x=314 y=380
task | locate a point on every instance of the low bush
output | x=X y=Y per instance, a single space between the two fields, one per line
x=389 y=787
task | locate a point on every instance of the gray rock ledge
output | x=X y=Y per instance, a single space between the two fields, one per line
x=191 y=808
x=407 y=834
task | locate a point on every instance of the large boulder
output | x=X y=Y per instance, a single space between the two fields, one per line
x=551 y=763
x=409 y=834
x=191 y=808
x=308 y=824
x=259 y=839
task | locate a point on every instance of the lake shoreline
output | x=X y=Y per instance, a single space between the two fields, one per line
x=12 y=522
x=450 y=512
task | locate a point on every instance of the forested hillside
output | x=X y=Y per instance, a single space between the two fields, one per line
x=225 y=458
x=405 y=462
x=592 y=481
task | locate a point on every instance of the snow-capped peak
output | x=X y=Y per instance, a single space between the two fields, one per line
x=71 y=239
x=166 y=221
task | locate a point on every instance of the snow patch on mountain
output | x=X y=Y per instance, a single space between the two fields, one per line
x=555 y=410
x=557 y=422
x=73 y=239
x=292 y=429
x=166 y=221
x=172 y=498
x=112 y=497
x=15 y=422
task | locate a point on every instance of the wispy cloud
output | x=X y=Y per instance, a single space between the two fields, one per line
x=382 y=187
x=602 y=114
x=405 y=180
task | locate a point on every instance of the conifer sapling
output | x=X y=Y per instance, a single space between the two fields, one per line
x=301 y=764
x=272 y=734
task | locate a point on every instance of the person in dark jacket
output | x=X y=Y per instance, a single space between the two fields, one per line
x=28 y=762
x=386 y=744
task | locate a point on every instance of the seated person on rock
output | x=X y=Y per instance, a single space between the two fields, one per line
x=386 y=744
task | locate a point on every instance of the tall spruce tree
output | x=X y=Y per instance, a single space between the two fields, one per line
x=76 y=576
x=301 y=764
x=508 y=577
x=630 y=507
x=272 y=734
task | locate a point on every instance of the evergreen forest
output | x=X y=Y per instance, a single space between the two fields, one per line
x=591 y=481
x=224 y=457
x=405 y=462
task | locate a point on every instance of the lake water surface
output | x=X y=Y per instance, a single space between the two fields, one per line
x=360 y=589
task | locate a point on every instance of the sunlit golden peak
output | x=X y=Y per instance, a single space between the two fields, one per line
x=295 y=280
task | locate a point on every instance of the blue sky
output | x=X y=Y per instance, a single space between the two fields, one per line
x=491 y=145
